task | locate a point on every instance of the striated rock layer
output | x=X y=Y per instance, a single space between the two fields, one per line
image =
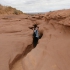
x=15 y=37
x=52 y=51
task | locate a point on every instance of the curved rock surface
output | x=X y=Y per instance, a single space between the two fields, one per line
x=15 y=37
x=52 y=51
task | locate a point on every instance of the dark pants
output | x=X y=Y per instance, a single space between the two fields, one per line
x=35 y=41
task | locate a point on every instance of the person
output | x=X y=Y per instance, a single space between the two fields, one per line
x=35 y=35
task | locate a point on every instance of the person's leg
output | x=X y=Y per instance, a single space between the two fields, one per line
x=35 y=41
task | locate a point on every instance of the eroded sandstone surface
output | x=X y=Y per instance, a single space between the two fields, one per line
x=52 y=51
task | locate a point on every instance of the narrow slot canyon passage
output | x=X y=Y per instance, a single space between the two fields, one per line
x=21 y=51
x=17 y=65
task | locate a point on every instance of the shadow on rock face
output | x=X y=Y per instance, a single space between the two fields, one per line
x=41 y=34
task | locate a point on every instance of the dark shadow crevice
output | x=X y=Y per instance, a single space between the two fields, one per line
x=19 y=56
x=26 y=51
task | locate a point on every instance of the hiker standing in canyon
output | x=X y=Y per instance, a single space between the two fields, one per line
x=35 y=35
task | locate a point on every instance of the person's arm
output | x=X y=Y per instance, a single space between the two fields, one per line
x=31 y=28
